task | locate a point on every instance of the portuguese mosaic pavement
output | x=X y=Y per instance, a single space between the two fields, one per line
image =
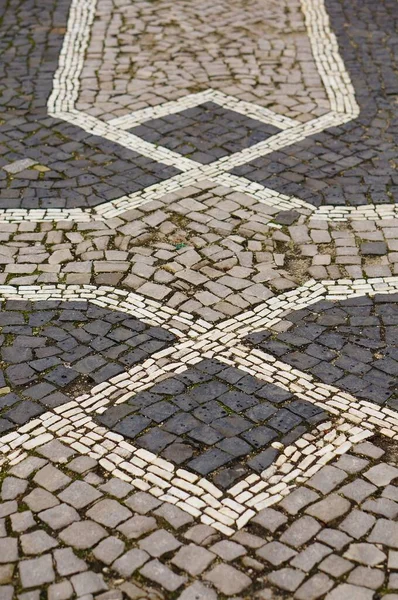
x=199 y=300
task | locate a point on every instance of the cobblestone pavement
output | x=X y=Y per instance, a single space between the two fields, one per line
x=199 y=300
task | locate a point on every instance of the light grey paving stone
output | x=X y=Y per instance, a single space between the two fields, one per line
x=174 y=516
x=109 y=549
x=116 y=487
x=40 y=499
x=327 y=479
x=82 y=464
x=8 y=508
x=390 y=597
x=357 y=523
x=193 y=559
x=392 y=560
x=6 y=573
x=32 y=595
x=382 y=506
x=385 y=532
x=137 y=526
x=370 y=578
x=368 y=449
x=12 y=487
x=111 y=595
x=358 y=490
x=56 y=452
x=270 y=519
x=276 y=553
x=67 y=563
x=309 y=557
x=351 y=464
x=329 y=509
x=336 y=566
x=228 y=580
x=142 y=503
x=3 y=530
x=51 y=478
x=391 y=492
x=345 y=591
x=88 y=583
x=249 y=540
x=82 y=535
x=203 y=535
x=60 y=516
x=365 y=554
x=160 y=542
x=314 y=588
x=27 y=466
x=381 y=474
x=287 y=579
x=6 y=592
x=162 y=575
x=300 y=532
x=334 y=538
x=393 y=581
x=60 y=591
x=198 y=591
x=8 y=550
x=19 y=165
x=36 y=572
x=37 y=542
x=130 y=562
x=22 y=521
x=228 y=550
x=109 y=513
x=79 y=494
x=298 y=499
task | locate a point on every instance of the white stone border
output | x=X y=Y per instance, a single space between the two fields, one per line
x=65 y=93
x=352 y=420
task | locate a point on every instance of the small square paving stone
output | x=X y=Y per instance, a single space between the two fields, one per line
x=12 y=487
x=202 y=534
x=287 y=579
x=193 y=559
x=300 y=532
x=56 y=452
x=381 y=474
x=116 y=487
x=393 y=560
x=370 y=578
x=298 y=499
x=36 y=571
x=327 y=479
x=198 y=591
x=357 y=523
x=130 y=562
x=162 y=575
x=37 y=542
x=228 y=580
x=160 y=542
x=68 y=563
x=60 y=516
x=88 y=583
x=6 y=592
x=137 y=526
x=22 y=521
x=109 y=513
x=334 y=538
x=8 y=508
x=329 y=509
x=79 y=494
x=27 y=466
x=40 y=499
x=358 y=490
x=309 y=557
x=314 y=588
x=276 y=553
x=142 y=503
x=368 y=449
x=228 y=550
x=8 y=550
x=84 y=534
x=365 y=554
x=336 y=566
x=51 y=478
x=270 y=519
x=82 y=464
x=345 y=591
x=351 y=464
x=174 y=516
x=109 y=550
x=6 y=573
x=385 y=532
x=60 y=591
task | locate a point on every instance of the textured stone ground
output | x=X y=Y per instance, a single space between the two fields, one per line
x=199 y=300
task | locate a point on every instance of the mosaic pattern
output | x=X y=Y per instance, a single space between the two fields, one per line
x=52 y=350
x=205 y=133
x=351 y=344
x=348 y=165
x=211 y=416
